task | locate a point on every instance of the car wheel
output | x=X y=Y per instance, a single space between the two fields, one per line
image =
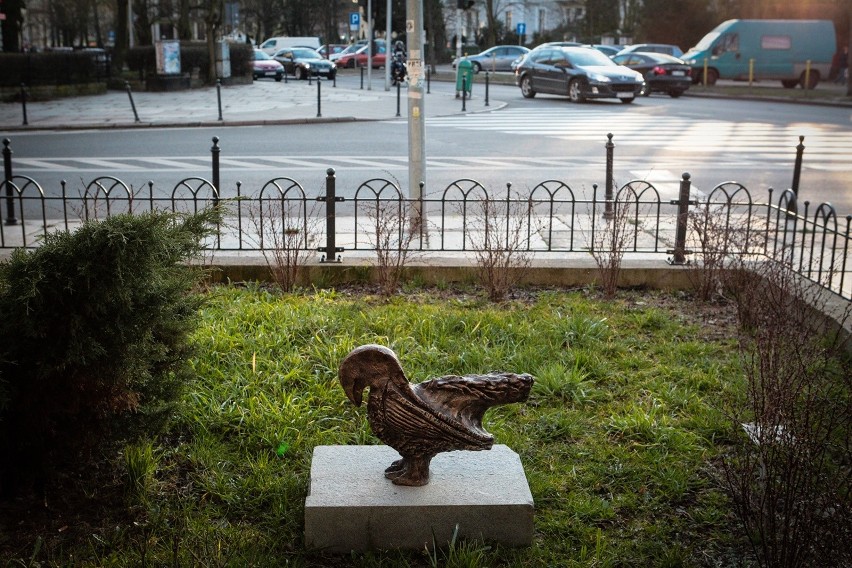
x=712 y=76
x=351 y=64
x=628 y=101
x=332 y=75
x=477 y=67
x=812 y=81
x=646 y=91
x=675 y=93
x=789 y=83
x=526 y=87
x=303 y=74
x=279 y=77
x=575 y=91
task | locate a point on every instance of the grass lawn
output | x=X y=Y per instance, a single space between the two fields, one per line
x=618 y=440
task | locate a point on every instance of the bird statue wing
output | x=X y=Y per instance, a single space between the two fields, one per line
x=415 y=414
x=465 y=399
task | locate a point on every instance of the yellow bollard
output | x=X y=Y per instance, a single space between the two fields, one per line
x=807 y=84
x=705 y=71
x=750 y=71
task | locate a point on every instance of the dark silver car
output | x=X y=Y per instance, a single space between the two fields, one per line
x=497 y=58
x=579 y=73
x=304 y=62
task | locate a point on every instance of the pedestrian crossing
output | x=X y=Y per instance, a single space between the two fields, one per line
x=828 y=147
x=283 y=165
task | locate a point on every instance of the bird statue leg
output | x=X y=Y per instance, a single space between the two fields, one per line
x=412 y=471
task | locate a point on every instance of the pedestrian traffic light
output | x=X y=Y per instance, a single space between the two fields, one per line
x=465 y=4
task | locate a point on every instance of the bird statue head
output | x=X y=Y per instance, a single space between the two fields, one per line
x=368 y=365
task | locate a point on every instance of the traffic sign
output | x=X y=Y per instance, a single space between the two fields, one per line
x=522 y=28
x=354 y=20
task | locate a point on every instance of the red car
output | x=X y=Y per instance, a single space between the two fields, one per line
x=359 y=58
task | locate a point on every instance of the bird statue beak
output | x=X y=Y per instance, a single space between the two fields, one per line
x=353 y=386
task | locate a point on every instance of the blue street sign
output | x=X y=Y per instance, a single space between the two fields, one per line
x=522 y=28
x=354 y=20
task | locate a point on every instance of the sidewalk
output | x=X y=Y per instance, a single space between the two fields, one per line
x=258 y=103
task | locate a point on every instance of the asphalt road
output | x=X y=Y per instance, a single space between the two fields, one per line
x=525 y=142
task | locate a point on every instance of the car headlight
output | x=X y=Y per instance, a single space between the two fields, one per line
x=307 y=65
x=599 y=78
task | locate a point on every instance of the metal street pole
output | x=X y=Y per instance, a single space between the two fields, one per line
x=369 y=45
x=458 y=43
x=416 y=113
x=388 y=50
x=130 y=22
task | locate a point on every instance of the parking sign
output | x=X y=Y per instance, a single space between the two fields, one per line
x=522 y=28
x=354 y=20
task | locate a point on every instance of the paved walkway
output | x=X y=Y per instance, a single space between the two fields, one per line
x=261 y=102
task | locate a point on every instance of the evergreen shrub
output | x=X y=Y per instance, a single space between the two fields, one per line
x=94 y=352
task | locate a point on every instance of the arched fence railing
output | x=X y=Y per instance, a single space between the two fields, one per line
x=552 y=220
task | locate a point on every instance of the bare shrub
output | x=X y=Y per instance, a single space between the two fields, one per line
x=789 y=478
x=286 y=234
x=499 y=232
x=391 y=228
x=715 y=240
x=613 y=236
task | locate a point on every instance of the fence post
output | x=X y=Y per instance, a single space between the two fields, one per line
x=219 y=96
x=792 y=207
x=319 y=96
x=486 y=88
x=428 y=79
x=7 y=175
x=24 y=102
x=214 y=151
x=608 y=195
x=132 y=104
x=398 y=88
x=331 y=199
x=679 y=252
x=362 y=77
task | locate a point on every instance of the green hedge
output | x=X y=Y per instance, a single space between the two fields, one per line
x=53 y=68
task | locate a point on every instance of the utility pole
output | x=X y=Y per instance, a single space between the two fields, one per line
x=388 y=50
x=416 y=114
x=369 y=45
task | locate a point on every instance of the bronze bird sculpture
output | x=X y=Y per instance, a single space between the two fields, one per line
x=422 y=420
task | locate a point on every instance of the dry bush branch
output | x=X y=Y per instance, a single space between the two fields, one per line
x=499 y=232
x=790 y=478
x=392 y=227
x=286 y=233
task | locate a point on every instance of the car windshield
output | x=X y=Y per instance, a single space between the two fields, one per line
x=705 y=42
x=303 y=53
x=588 y=57
x=259 y=55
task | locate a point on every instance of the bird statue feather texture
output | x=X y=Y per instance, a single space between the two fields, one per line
x=422 y=420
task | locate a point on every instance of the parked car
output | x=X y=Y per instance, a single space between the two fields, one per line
x=663 y=73
x=358 y=58
x=330 y=49
x=653 y=48
x=303 y=63
x=497 y=58
x=579 y=73
x=608 y=50
x=275 y=44
x=264 y=66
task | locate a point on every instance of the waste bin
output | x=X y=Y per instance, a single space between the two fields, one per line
x=464 y=76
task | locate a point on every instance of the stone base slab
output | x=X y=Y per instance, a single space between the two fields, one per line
x=352 y=507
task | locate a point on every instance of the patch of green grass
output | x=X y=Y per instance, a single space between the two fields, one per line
x=617 y=440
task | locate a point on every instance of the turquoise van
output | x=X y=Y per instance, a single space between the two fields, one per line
x=779 y=50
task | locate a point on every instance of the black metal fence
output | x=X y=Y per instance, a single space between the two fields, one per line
x=552 y=220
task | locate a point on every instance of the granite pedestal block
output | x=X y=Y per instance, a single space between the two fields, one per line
x=352 y=507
